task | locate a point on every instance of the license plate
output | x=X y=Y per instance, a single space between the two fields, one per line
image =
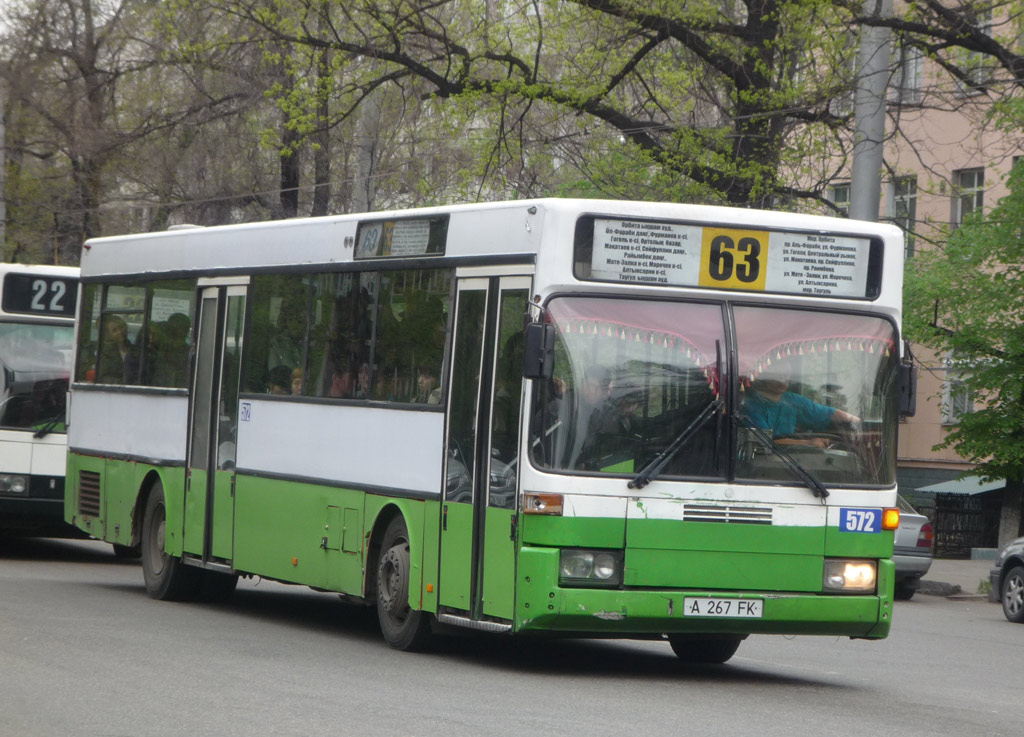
x=707 y=607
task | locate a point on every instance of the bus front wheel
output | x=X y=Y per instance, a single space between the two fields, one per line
x=704 y=648
x=167 y=578
x=403 y=627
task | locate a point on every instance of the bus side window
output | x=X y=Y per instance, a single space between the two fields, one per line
x=278 y=336
x=169 y=316
x=88 y=334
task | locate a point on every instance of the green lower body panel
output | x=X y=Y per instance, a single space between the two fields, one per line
x=542 y=605
x=722 y=570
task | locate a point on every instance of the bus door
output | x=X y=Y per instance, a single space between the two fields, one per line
x=477 y=573
x=213 y=422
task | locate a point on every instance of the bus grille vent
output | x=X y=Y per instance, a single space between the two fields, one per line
x=89 y=493
x=730 y=513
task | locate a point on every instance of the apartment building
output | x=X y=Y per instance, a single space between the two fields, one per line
x=944 y=159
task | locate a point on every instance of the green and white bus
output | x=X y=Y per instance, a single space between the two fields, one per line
x=547 y=416
x=37 y=328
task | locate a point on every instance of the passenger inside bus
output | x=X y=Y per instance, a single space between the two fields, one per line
x=427 y=390
x=119 y=359
x=280 y=380
x=342 y=384
x=167 y=352
x=770 y=405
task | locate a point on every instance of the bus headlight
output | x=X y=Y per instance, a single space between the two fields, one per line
x=850 y=576
x=13 y=484
x=590 y=568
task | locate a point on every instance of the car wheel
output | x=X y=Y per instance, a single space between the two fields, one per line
x=1013 y=595
x=712 y=649
x=905 y=590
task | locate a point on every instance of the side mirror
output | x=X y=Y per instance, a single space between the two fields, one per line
x=908 y=390
x=539 y=351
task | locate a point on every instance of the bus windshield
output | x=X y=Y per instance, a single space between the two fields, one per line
x=36 y=361
x=632 y=376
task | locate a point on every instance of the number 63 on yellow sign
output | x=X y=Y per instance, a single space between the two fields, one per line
x=733 y=259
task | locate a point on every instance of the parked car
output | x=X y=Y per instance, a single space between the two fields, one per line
x=1007 y=579
x=912 y=550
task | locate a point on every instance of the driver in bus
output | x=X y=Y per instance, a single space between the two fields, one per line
x=770 y=405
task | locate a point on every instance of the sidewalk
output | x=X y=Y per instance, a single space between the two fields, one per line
x=955 y=577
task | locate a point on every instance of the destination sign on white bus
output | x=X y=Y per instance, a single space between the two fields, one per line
x=680 y=254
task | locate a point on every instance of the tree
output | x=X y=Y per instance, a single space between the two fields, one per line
x=966 y=301
x=696 y=101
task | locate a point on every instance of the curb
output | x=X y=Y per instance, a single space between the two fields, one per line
x=948 y=590
x=938 y=588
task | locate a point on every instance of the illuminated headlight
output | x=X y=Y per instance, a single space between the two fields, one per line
x=590 y=568
x=12 y=484
x=850 y=576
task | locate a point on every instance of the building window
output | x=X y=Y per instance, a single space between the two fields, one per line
x=904 y=209
x=842 y=103
x=957 y=400
x=906 y=82
x=976 y=66
x=968 y=193
x=839 y=195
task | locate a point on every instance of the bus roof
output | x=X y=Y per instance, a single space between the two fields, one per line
x=68 y=272
x=510 y=229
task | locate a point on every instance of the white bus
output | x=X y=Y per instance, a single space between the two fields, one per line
x=592 y=418
x=37 y=325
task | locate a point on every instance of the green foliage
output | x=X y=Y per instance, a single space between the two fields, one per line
x=966 y=300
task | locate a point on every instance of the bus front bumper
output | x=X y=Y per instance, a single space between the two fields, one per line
x=543 y=605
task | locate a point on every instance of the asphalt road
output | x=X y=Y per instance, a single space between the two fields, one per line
x=84 y=652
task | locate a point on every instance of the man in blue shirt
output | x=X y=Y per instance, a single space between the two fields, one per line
x=770 y=406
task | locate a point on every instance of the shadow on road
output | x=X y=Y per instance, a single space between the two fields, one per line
x=345 y=623
x=63 y=550
x=324 y=613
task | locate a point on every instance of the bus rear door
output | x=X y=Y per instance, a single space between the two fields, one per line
x=213 y=423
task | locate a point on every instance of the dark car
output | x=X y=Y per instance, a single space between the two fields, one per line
x=912 y=550
x=1007 y=579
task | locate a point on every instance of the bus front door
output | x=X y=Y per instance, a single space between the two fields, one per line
x=213 y=421
x=477 y=573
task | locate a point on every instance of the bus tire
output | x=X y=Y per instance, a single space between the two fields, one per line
x=167 y=578
x=714 y=649
x=403 y=627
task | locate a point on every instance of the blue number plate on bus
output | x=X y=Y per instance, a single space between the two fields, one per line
x=860 y=520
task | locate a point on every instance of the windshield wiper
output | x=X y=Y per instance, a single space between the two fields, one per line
x=804 y=475
x=652 y=469
x=51 y=423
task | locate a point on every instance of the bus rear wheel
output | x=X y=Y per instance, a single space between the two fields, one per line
x=403 y=627
x=704 y=648
x=167 y=578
